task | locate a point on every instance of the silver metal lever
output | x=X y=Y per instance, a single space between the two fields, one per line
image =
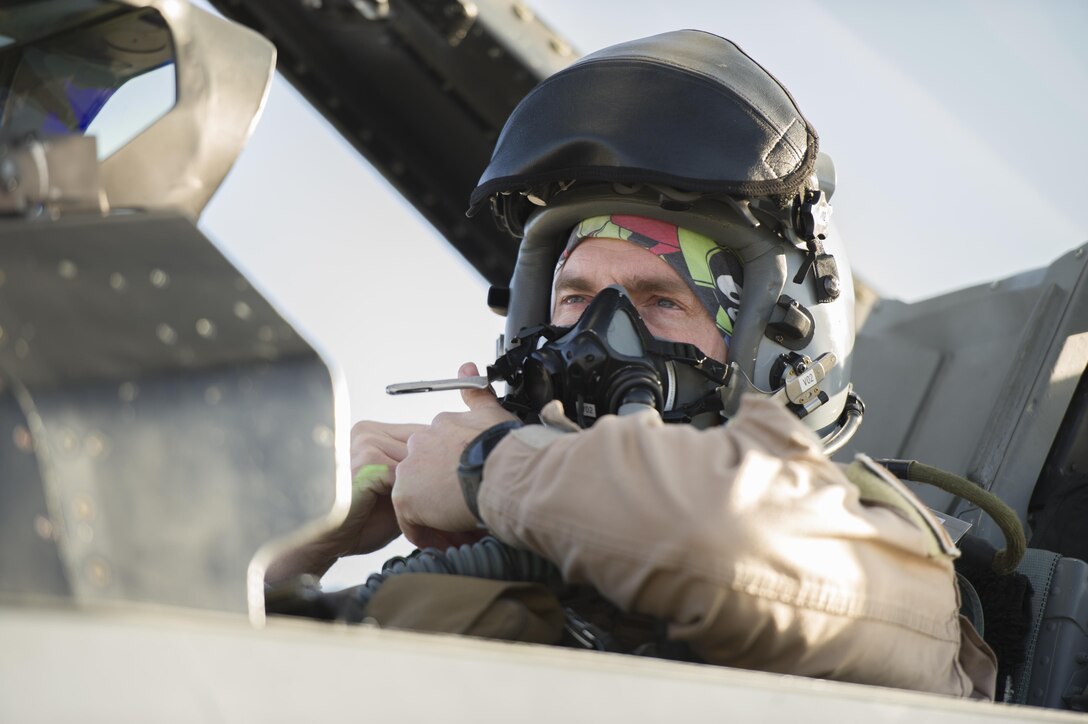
x=478 y=382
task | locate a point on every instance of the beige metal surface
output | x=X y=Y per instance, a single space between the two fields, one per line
x=130 y=664
x=223 y=74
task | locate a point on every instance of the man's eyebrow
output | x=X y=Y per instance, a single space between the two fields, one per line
x=663 y=284
x=572 y=283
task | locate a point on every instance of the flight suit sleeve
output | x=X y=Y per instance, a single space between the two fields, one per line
x=753 y=546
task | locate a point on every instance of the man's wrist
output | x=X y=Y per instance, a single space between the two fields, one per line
x=470 y=471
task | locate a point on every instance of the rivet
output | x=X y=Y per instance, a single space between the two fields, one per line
x=98 y=571
x=322 y=436
x=522 y=13
x=84 y=508
x=559 y=47
x=94 y=445
x=67 y=269
x=159 y=278
x=118 y=283
x=266 y=333
x=242 y=310
x=69 y=443
x=166 y=333
x=43 y=527
x=22 y=439
x=205 y=328
x=1078 y=253
x=127 y=391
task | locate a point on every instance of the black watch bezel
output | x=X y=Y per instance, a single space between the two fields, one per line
x=470 y=471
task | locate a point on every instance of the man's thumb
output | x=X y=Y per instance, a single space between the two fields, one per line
x=473 y=398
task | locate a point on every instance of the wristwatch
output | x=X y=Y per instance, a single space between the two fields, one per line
x=471 y=469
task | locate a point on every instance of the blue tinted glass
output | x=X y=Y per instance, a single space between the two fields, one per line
x=60 y=84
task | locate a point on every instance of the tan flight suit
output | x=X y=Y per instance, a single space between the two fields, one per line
x=753 y=546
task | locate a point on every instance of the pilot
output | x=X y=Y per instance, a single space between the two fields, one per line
x=679 y=169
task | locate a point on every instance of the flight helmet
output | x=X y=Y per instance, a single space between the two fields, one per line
x=685 y=128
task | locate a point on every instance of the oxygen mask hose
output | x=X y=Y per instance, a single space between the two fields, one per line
x=487 y=558
x=1008 y=558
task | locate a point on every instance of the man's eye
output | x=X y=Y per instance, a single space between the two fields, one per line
x=667 y=303
x=573 y=299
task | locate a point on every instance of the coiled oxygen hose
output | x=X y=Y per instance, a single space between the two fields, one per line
x=487 y=558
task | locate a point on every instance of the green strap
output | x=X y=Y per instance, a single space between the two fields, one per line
x=1008 y=557
x=874 y=489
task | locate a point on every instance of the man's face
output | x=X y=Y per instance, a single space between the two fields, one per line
x=666 y=304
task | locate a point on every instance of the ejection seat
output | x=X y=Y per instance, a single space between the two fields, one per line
x=990 y=383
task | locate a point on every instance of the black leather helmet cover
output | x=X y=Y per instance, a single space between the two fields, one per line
x=686 y=109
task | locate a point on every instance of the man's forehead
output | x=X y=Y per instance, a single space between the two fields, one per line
x=601 y=261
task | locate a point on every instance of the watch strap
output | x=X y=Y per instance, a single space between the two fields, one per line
x=470 y=471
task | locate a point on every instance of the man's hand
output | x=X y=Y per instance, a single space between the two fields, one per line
x=427 y=496
x=377 y=449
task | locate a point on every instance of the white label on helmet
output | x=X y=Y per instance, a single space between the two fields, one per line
x=808 y=380
x=589 y=409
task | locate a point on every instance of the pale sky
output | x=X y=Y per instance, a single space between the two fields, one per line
x=956 y=128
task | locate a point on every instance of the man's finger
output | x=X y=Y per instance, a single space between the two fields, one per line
x=374 y=475
x=377 y=475
x=368 y=449
x=396 y=430
x=476 y=399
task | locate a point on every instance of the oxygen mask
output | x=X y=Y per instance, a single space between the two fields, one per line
x=608 y=362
